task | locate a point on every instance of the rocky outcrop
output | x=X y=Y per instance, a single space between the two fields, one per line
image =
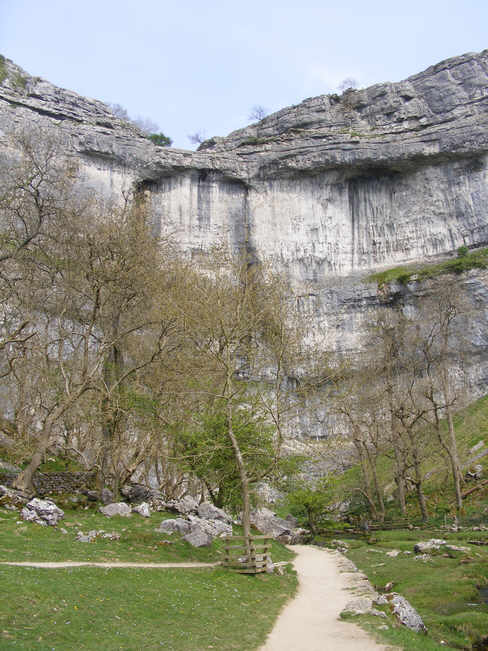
x=327 y=190
x=43 y=512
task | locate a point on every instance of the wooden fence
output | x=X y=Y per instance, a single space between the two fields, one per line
x=247 y=557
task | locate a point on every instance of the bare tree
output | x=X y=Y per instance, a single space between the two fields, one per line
x=349 y=83
x=197 y=138
x=258 y=113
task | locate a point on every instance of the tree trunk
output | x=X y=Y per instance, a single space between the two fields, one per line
x=400 y=481
x=454 y=458
x=246 y=501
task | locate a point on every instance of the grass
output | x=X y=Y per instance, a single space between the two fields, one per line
x=139 y=541
x=86 y=608
x=92 y=608
x=471 y=425
x=443 y=590
x=404 y=274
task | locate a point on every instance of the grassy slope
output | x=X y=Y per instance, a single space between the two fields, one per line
x=403 y=274
x=443 y=589
x=92 y=608
x=471 y=426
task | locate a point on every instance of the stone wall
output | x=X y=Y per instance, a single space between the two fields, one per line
x=55 y=483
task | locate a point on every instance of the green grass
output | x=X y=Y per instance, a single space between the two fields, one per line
x=443 y=590
x=139 y=541
x=404 y=274
x=471 y=425
x=86 y=608
x=93 y=608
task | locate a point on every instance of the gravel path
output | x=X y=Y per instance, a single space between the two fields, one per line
x=310 y=622
x=153 y=566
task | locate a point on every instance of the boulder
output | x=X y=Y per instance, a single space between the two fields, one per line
x=9 y=468
x=406 y=613
x=106 y=496
x=197 y=537
x=178 y=525
x=12 y=499
x=116 y=508
x=143 y=509
x=43 y=512
x=299 y=536
x=136 y=492
x=214 y=528
x=433 y=544
x=210 y=512
x=362 y=606
x=269 y=524
x=185 y=506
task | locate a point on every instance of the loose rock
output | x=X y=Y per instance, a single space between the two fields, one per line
x=430 y=545
x=12 y=499
x=143 y=509
x=178 y=525
x=208 y=511
x=43 y=512
x=116 y=508
x=198 y=538
x=406 y=613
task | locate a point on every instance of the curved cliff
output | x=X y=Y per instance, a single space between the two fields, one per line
x=333 y=186
x=329 y=190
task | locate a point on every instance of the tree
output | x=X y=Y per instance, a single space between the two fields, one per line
x=349 y=83
x=309 y=502
x=227 y=316
x=205 y=450
x=197 y=138
x=258 y=113
x=96 y=295
x=146 y=125
x=160 y=139
x=442 y=316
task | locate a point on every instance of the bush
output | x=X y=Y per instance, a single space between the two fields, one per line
x=160 y=139
x=462 y=251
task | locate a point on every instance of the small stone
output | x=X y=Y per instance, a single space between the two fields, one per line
x=393 y=553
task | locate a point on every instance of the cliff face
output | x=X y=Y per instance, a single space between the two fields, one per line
x=329 y=190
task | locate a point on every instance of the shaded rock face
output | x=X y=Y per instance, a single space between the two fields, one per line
x=328 y=190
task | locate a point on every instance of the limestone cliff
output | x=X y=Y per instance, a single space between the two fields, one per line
x=328 y=190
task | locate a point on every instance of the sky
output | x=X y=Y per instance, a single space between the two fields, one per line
x=201 y=65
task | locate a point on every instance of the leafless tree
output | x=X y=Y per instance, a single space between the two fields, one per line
x=258 y=113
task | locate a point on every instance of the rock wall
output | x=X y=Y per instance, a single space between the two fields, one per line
x=55 y=483
x=329 y=190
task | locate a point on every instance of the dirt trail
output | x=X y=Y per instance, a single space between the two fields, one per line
x=310 y=622
x=154 y=566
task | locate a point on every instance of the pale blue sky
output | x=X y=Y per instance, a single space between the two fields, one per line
x=201 y=65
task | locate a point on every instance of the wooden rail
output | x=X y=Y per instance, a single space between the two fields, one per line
x=247 y=556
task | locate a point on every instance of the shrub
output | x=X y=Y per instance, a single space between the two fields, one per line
x=160 y=139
